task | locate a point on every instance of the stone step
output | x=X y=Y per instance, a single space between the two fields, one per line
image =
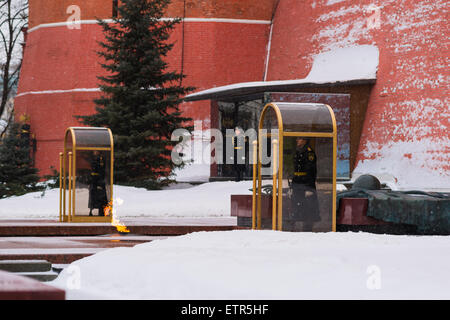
x=15 y=287
x=59 y=255
x=25 y=265
x=40 y=276
x=87 y=229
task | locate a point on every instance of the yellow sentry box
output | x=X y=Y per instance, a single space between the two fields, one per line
x=86 y=175
x=299 y=136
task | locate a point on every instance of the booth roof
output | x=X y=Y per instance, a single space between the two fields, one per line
x=344 y=66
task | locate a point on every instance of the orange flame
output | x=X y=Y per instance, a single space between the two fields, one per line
x=121 y=228
x=108 y=210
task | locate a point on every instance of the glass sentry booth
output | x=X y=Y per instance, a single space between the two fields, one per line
x=295 y=168
x=86 y=175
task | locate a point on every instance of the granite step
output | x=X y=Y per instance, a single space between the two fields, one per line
x=15 y=287
x=40 y=276
x=25 y=265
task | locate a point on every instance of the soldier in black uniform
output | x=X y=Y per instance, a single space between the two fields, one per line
x=305 y=204
x=97 y=188
x=240 y=146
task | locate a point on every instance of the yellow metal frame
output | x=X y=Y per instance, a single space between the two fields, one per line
x=277 y=196
x=255 y=156
x=67 y=180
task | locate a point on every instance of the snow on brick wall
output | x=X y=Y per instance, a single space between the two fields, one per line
x=405 y=134
x=348 y=63
x=407 y=113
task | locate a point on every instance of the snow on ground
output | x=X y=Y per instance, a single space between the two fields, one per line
x=178 y=200
x=245 y=264
x=193 y=173
x=205 y=200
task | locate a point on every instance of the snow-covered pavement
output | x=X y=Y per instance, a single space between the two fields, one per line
x=210 y=199
x=179 y=200
x=266 y=265
x=242 y=264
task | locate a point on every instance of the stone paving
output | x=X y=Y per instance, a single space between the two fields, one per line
x=64 y=243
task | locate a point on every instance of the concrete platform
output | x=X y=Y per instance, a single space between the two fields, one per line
x=63 y=250
x=36 y=269
x=25 y=265
x=40 y=276
x=63 y=243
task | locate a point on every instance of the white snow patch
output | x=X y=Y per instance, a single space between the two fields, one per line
x=205 y=200
x=198 y=151
x=421 y=15
x=342 y=35
x=331 y=2
x=7 y=113
x=339 y=13
x=178 y=200
x=408 y=165
x=59 y=91
x=193 y=173
x=266 y=265
x=354 y=62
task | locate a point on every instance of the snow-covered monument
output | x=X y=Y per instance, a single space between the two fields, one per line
x=383 y=60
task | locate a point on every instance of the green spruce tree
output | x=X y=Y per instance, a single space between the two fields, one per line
x=140 y=96
x=17 y=174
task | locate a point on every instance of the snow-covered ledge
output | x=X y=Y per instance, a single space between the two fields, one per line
x=345 y=64
x=355 y=64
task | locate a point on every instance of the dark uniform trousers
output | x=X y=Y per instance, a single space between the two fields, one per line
x=240 y=147
x=305 y=204
x=97 y=189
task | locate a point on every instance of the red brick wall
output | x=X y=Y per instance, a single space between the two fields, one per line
x=58 y=58
x=50 y=11
x=409 y=102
